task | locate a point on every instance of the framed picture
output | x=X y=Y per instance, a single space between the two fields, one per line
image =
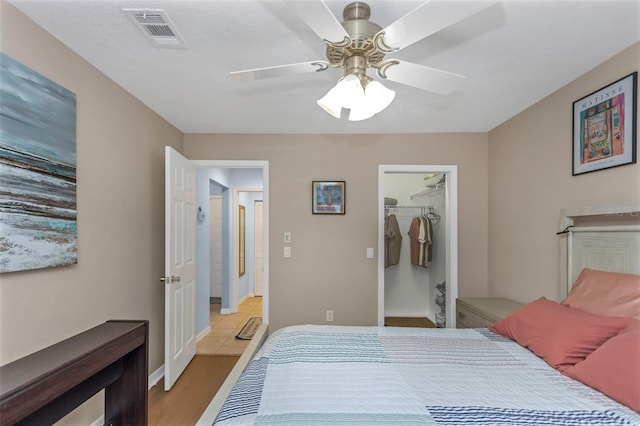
x=38 y=218
x=328 y=197
x=241 y=240
x=604 y=127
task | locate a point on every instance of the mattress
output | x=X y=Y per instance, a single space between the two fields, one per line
x=369 y=376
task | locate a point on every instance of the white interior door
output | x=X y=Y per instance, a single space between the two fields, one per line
x=258 y=249
x=215 y=239
x=180 y=265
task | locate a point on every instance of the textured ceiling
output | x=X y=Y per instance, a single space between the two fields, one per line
x=513 y=54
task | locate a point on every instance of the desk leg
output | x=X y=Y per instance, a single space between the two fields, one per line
x=127 y=399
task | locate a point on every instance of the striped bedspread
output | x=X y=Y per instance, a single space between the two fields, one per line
x=369 y=376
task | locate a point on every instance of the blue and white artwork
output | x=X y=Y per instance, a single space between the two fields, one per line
x=38 y=227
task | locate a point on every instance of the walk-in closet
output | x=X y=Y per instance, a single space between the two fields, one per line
x=415 y=246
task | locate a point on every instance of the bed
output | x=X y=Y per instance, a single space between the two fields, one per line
x=574 y=363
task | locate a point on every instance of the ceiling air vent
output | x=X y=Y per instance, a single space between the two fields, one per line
x=156 y=25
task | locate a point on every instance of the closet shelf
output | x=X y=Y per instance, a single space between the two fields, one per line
x=431 y=190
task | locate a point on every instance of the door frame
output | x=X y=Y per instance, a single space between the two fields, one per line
x=451 y=232
x=234 y=263
x=211 y=245
x=255 y=274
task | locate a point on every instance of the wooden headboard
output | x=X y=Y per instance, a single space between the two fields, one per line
x=612 y=245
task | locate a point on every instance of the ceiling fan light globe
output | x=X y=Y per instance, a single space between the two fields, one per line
x=377 y=96
x=361 y=110
x=331 y=102
x=360 y=113
x=350 y=90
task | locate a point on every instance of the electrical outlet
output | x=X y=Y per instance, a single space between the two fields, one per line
x=287 y=251
x=329 y=316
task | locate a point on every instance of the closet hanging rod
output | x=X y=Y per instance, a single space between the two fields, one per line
x=424 y=210
x=391 y=206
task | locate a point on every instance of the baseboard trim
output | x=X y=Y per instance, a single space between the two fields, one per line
x=226 y=311
x=204 y=333
x=245 y=297
x=155 y=377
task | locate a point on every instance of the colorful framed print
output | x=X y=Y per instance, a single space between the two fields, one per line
x=328 y=197
x=604 y=127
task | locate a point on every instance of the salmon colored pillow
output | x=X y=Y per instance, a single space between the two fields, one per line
x=560 y=335
x=614 y=368
x=606 y=293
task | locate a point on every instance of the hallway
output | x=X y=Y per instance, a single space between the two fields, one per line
x=221 y=340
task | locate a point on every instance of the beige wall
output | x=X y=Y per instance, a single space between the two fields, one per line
x=328 y=268
x=530 y=181
x=507 y=242
x=120 y=205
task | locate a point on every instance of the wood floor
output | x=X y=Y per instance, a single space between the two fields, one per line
x=216 y=354
x=409 y=322
x=186 y=401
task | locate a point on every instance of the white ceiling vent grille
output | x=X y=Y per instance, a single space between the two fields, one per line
x=156 y=25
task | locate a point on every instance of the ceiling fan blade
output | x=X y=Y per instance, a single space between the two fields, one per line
x=427 y=19
x=426 y=78
x=319 y=18
x=280 y=70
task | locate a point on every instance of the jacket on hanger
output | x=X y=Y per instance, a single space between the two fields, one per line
x=392 y=241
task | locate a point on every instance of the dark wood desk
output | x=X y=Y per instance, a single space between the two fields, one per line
x=43 y=387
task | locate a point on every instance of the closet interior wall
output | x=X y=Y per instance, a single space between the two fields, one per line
x=409 y=290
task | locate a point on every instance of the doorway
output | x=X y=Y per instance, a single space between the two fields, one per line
x=228 y=175
x=187 y=260
x=436 y=287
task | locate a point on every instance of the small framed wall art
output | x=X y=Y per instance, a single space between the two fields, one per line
x=604 y=127
x=328 y=197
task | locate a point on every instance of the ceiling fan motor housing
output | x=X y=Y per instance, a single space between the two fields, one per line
x=361 y=30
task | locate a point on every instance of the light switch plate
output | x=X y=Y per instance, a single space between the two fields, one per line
x=287 y=251
x=287 y=237
x=369 y=252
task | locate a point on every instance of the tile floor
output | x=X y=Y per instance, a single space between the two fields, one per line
x=222 y=338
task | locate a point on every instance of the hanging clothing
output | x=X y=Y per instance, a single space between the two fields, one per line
x=392 y=241
x=428 y=239
x=420 y=234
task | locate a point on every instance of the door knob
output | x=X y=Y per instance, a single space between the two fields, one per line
x=171 y=279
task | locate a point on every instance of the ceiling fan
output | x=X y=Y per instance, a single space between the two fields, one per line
x=357 y=45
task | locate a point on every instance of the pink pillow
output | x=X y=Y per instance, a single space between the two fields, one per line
x=614 y=368
x=558 y=334
x=606 y=293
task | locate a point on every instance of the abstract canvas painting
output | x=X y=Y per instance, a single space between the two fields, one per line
x=38 y=227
